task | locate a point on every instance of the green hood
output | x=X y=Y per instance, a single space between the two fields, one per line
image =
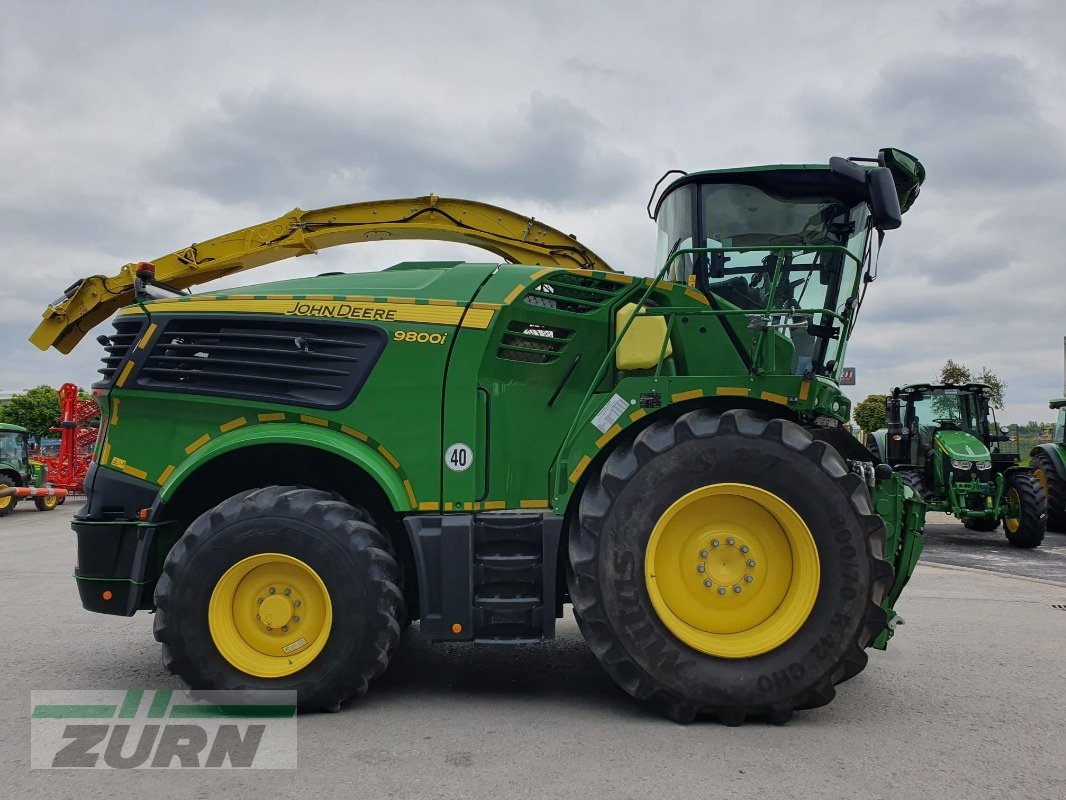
x=962 y=446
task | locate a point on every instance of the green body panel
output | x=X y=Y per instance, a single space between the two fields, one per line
x=904 y=516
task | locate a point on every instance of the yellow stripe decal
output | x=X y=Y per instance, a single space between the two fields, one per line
x=276 y=416
x=440 y=302
x=664 y=285
x=494 y=505
x=805 y=390
x=233 y=424
x=400 y=299
x=354 y=433
x=429 y=506
x=125 y=374
x=638 y=414
x=147 y=336
x=118 y=463
x=540 y=273
x=774 y=398
x=192 y=448
x=579 y=470
x=166 y=474
x=105 y=454
x=616 y=277
x=514 y=294
x=136 y=473
x=355 y=309
x=533 y=504
x=410 y=494
x=692 y=394
x=114 y=412
x=314 y=421
x=730 y=391
x=389 y=456
x=613 y=431
x=696 y=295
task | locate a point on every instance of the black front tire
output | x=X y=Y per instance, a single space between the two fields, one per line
x=353 y=558
x=621 y=505
x=7 y=504
x=1028 y=527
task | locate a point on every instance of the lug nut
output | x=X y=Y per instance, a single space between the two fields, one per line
x=751 y=562
x=703 y=554
x=730 y=541
x=295 y=619
x=737 y=588
x=721 y=590
x=707 y=582
x=273 y=590
x=715 y=543
x=257 y=616
x=744 y=548
x=288 y=592
x=284 y=628
x=701 y=568
x=296 y=603
x=748 y=579
x=259 y=600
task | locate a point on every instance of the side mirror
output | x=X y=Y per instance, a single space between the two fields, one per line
x=1004 y=429
x=884 y=202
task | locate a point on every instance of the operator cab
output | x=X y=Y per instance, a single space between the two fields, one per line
x=785 y=243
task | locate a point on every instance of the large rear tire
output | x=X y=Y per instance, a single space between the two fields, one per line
x=280 y=588
x=1054 y=486
x=1027 y=529
x=913 y=481
x=799 y=556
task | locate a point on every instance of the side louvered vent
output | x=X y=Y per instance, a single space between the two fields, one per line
x=577 y=294
x=117 y=346
x=537 y=344
x=292 y=361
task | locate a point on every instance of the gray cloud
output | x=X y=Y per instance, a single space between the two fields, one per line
x=290 y=148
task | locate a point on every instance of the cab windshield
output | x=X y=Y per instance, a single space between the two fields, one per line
x=792 y=256
x=12 y=447
x=950 y=410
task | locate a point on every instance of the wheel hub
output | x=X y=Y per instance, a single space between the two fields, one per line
x=726 y=562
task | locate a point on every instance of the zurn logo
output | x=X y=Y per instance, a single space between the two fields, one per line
x=145 y=729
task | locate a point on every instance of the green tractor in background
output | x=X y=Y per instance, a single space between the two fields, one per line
x=1049 y=466
x=943 y=441
x=18 y=471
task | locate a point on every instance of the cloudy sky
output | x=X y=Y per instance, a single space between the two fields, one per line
x=130 y=129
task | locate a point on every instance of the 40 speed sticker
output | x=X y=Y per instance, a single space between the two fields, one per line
x=458 y=457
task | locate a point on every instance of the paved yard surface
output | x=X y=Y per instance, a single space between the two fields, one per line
x=967 y=703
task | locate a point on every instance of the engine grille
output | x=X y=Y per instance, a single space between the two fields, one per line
x=117 y=347
x=536 y=344
x=295 y=362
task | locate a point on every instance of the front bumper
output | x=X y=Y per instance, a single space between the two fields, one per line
x=116 y=566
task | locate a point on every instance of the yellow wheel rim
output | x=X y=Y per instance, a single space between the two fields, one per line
x=1013 y=523
x=270 y=615
x=732 y=570
x=50 y=502
x=5 y=502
